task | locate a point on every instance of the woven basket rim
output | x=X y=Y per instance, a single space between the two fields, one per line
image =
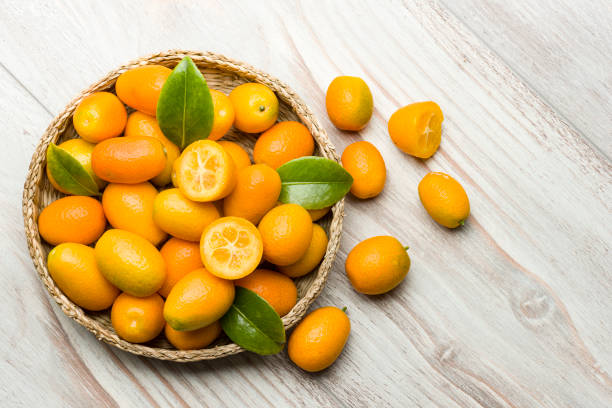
x=58 y=126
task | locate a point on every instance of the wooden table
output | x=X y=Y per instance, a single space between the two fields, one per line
x=512 y=310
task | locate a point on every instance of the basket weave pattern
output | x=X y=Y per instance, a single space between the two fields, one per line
x=222 y=74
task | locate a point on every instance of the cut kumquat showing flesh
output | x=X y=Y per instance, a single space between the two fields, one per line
x=231 y=247
x=205 y=171
x=416 y=129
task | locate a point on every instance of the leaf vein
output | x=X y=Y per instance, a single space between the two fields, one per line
x=183 y=133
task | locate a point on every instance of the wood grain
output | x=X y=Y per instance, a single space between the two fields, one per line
x=512 y=310
x=557 y=47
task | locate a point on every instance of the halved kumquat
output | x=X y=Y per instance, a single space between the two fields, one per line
x=205 y=171
x=416 y=129
x=231 y=247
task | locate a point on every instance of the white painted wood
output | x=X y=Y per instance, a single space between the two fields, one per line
x=561 y=48
x=511 y=310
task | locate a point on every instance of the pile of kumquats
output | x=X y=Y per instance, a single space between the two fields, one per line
x=191 y=218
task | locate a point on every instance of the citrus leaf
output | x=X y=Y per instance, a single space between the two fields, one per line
x=313 y=182
x=69 y=174
x=185 y=108
x=253 y=324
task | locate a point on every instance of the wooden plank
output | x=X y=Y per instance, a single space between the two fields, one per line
x=511 y=310
x=561 y=49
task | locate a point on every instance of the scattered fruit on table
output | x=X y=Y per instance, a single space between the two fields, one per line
x=349 y=103
x=63 y=220
x=74 y=269
x=255 y=107
x=377 y=265
x=277 y=289
x=138 y=319
x=181 y=217
x=283 y=142
x=313 y=256
x=80 y=150
x=286 y=233
x=141 y=124
x=99 y=116
x=194 y=339
x=416 y=129
x=318 y=340
x=256 y=192
x=139 y=88
x=205 y=171
x=231 y=247
x=130 y=262
x=198 y=300
x=130 y=207
x=129 y=160
x=181 y=257
x=444 y=199
x=367 y=167
x=224 y=115
x=224 y=215
x=239 y=155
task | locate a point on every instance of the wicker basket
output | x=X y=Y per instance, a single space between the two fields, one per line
x=222 y=74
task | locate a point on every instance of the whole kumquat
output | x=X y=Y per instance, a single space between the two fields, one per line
x=286 y=232
x=77 y=219
x=444 y=199
x=319 y=339
x=138 y=319
x=255 y=107
x=128 y=160
x=256 y=192
x=139 y=88
x=283 y=142
x=99 y=116
x=349 y=103
x=377 y=265
x=367 y=167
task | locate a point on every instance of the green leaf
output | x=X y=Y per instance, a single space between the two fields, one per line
x=313 y=182
x=185 y=108
x=253 y=324
x=69 y=173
